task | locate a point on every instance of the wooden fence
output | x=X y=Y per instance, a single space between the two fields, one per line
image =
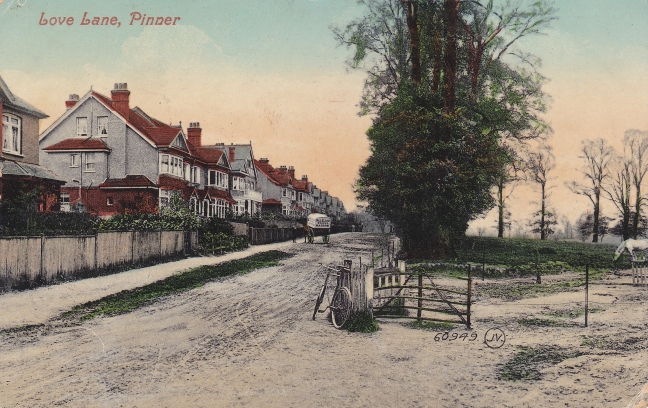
x=48 y=258
x=259 y=236
x=639 y=276
x=398 y=292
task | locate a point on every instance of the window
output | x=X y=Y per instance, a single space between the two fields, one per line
x=221 y=207
x=205 y=208
x=89 y=162
x=82 y=126
x=284 y=192
x=11 y=130
x=109 y=201
x=292 y=194
x=187 y=172
x=171 y=164
x=193 y=204
x=216 y=178
x=102 y=125
x=196 y=175
x=74 y=160
x=300 y=197
x=64 y=201
x=165 y=197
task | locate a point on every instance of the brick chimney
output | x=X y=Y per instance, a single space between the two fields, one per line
x=291 y=172
x=194 y=134
x=263 y=164
x=304 y=178
x=232 y=154
x=120 y=99
x=72 y=100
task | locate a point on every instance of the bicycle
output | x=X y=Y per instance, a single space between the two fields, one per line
x=340 y=304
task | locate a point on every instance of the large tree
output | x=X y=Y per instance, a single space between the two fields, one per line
x=597 y=155
x=447 y=109
x=540 y=163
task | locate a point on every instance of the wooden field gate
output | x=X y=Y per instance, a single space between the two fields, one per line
x=412 y=293
x=639 y=276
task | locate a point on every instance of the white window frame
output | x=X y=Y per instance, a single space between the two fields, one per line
x=12 y=140
x=110 y=201
x=170 y=164
x=221 y=208
x=89 y=165
x=217 y=178
x=196 y=175
x=82 y=126
x=102 y=128
x=74 y=160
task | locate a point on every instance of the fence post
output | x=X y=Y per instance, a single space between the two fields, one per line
x=369 y=288
x=41 y=258
x=420 y=295
x=586 y=292
x=469 y=298
x=538 y=279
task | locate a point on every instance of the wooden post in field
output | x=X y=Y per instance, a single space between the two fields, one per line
x=420 y=295
x=469 y=298
x=586 y=292
x=357 y=284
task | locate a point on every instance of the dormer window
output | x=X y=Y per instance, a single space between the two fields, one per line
x=12 y=134
x=82 y=126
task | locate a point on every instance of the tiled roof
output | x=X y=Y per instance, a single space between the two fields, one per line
x=7 y=97
x=12 y=168
x=131 y=181
x=301 y=185
x=276 y=176
x=220 y=194
x=208 y=155
x=79 y=144
x=158 y=132
x=271 y=201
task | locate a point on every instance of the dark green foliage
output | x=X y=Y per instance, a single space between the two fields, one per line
x=432 y=326
x=515 y=252
x=528 y=361
x=128 y=300
x=362 y=322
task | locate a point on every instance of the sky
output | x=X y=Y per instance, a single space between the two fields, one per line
x=270 y=72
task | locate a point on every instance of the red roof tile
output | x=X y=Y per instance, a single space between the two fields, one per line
x=301 y=185
x=271 y=201
x=220 y=194
x=79 y=144
x=276 y=176
x=132 y=181
x=159 y=133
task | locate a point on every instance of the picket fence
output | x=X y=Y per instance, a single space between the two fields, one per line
x=48 y=258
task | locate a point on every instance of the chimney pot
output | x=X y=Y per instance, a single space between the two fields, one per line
x=194 y=134
x=121 y=99
x=232 y=154
x=72 y=100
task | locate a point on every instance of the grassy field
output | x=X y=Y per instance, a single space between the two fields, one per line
x=517 y=253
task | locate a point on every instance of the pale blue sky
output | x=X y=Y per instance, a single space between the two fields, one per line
x=270 y=71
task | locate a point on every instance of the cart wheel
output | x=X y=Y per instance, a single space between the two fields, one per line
x=341 y=307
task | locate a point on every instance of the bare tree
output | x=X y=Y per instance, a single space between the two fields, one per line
x=619 y=190
x=637 y=142
x=597 y=155
x=511 y=175
x=540 y=163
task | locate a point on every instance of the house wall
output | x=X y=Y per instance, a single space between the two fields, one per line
x=30 y=128
x=137 y=200
x=268 y=188
x=139 y=157
x=59 y=163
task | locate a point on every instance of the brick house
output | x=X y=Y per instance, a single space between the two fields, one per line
x=304 y=197
x=19 y=161
x=244 y=181
x=276 y=185
x=116 y=159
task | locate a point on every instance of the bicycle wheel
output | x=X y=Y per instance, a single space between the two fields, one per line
x=319 y=300
x=341 y=307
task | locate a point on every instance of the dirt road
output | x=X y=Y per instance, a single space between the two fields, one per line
x=250 y=341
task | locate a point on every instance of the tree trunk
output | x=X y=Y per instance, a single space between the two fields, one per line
x=637 y=217
x=543 y=233
x=436 y=69
x=412 y=26
x=450 y=74
x=597 y=204
x=500 y=205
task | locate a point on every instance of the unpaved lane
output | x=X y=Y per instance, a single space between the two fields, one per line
x=249 y=341
x=42 y=304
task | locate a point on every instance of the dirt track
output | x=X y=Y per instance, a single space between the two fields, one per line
x=249 y=341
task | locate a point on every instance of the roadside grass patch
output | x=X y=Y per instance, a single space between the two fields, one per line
x=527 y=363
x=432 y=326
x=614 y=343
x=363 y=322
x=129 y=300
x=21 y=329
x=573 y=313
x=518 y=291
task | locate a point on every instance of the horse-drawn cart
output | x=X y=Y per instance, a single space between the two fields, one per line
x=318 y=222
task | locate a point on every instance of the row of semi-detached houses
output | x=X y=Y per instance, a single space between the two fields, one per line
x=104 y=157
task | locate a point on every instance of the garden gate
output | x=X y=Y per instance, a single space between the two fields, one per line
x=396 y=291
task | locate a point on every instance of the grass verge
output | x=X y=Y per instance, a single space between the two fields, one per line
x=526 y=364
x=363 y=323
x=129 y=300
x=432 y=326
